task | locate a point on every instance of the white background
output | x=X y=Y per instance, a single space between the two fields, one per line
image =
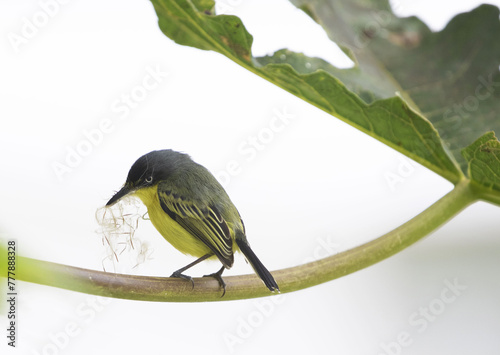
x=317 y=187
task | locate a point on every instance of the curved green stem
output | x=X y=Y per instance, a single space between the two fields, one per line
x=249 y=286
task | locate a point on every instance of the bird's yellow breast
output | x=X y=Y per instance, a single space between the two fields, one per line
x=172 y=231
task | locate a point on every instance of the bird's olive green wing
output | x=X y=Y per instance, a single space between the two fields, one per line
x=203 y=221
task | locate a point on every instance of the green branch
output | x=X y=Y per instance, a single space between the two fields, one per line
x=248 y=286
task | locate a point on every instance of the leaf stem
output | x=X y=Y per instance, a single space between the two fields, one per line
x=249 y=286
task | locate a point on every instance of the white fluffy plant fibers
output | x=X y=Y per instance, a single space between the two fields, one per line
x=123 y=251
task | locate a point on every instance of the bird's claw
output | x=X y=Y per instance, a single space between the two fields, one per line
x=185 y=277
x=218 y=277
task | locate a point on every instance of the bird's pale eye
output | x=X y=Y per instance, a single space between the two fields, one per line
x=149 y=179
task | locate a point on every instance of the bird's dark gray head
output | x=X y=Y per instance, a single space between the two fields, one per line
x=155 y=166
x=149 y=169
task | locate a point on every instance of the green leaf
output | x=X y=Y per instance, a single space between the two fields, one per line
x=389 y=120
x=194 y=26
x=451 y=76
x=483 y=158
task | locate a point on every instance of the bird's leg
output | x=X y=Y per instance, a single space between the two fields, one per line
x=179 y=273
x=218 y=276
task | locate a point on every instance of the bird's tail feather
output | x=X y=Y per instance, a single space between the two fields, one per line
x=257 y=265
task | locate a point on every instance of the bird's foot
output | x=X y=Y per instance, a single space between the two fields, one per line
x=218 y=276
x=182 y=276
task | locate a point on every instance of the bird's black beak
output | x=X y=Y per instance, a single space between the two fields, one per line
x=125 y=190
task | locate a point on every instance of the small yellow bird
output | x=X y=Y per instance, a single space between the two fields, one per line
x=192 y=211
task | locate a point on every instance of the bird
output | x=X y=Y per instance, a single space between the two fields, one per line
x=192 y=211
